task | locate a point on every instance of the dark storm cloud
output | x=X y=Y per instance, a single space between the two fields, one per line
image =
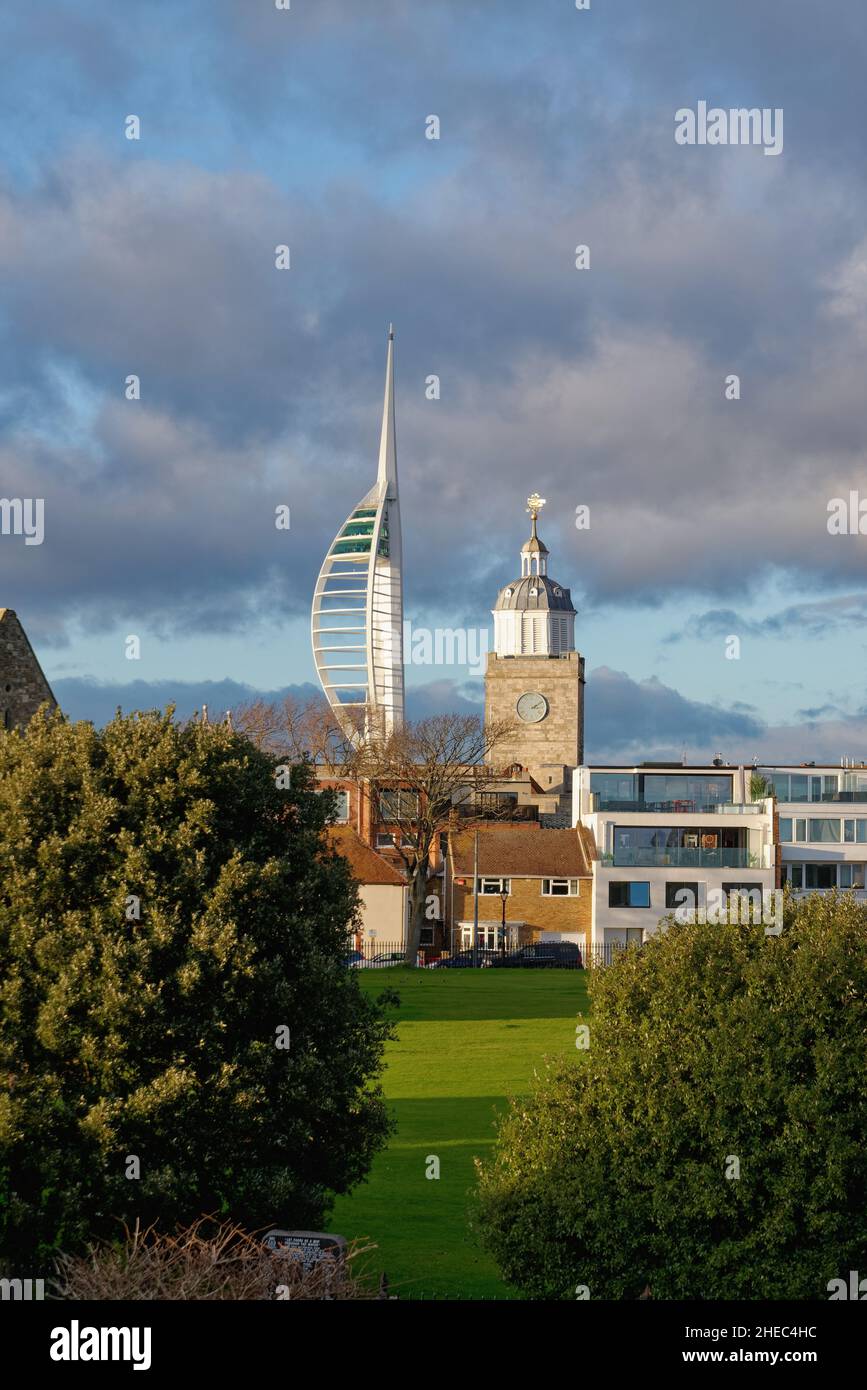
x=803 y=620
x=624 y=715
x=626 y=720
x=602 y=388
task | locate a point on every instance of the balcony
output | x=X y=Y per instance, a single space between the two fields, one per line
x=505 y=811
x=848 y=796
x=680 y=807
x=681 y=858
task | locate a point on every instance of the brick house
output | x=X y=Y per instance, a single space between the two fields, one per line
x=546 y=876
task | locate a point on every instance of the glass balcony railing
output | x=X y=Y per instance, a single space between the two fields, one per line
x=860 y=795
x=682 y=806
x=682 y=858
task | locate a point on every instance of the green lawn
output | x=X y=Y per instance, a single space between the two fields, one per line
x=467 y=1039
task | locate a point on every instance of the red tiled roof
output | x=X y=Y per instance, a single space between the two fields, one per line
x=548 y=854
x=366 y=865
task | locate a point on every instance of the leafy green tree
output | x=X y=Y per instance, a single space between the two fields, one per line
x=760 y=786
x=172 y=931
x=710 y=1142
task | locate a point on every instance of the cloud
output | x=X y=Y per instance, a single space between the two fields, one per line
x=97 y=701
x=602 y=388
x=820 y=618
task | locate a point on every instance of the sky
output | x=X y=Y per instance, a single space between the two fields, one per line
x=603 y=387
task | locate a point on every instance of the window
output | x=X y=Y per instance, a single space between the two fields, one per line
x=629 y=894
x=820 y=876
x=427 y=937
x=855 y=832
x=673 y=901
x=489 y=937
x=801 y=829
x=746 y=898
x=384 y=840
x=852 y=875
x=560 y=887
x=824 y=832
x=785 y=830
x=398 y=805
x=794 y=874
x=342 y=803
x=491 y=887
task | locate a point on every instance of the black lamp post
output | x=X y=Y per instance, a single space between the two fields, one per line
x=503 y=897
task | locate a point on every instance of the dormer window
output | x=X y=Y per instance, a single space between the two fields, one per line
x=507 y=593
x=534 y=593
x=558 y=592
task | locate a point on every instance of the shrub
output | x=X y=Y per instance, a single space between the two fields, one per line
x=206 y=1261
x=154 y=1036
x=710 y=1144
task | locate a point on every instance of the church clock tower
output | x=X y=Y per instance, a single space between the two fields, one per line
x=535 y=677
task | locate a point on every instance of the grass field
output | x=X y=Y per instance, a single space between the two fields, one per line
x=467 y=1039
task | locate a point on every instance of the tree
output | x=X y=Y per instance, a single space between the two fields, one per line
x=303 y=729
x=760 y=786
x=420 y=778
x=178 y=1034
x=710 y=1142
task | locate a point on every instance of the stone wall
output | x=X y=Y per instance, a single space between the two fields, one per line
x=23 y=687
x=559 y=737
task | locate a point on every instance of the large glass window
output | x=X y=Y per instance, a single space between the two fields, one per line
x=824 y=831
x=799 y=787
x=629 y=894
x=852 y=875
x=691 y=793
x=671 y=791
x=820 y=875
x=855 y=832
x=785 y=830
x=614 y=786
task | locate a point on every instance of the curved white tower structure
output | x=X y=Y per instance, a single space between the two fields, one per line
x=357 y=619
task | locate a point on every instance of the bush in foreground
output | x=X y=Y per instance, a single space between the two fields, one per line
x=710 y=1144
x=165 y=911
x=207 y=1261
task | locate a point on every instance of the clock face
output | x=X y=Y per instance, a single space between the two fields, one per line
x=532 y=707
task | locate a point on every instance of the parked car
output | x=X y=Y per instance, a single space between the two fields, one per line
x=463 y=960
x=382 y=960
x=354 y=959
x=545 y=955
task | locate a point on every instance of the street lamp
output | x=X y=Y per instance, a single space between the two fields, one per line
x=504 y=893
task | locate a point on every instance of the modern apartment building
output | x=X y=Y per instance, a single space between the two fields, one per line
x=822 y=825
x=660 y=829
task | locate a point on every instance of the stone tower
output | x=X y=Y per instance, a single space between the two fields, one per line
x=23 y=687
x=535 y=677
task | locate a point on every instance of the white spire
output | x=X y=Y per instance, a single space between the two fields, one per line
x=387 y=445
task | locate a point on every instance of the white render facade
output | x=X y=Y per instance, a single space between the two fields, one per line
x=659 y=829
x=822 y=826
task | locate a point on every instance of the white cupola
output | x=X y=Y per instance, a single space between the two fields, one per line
x=534 y=615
